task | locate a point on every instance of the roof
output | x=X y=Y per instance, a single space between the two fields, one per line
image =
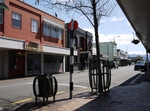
x=138 y=14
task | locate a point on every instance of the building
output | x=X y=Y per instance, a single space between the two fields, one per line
x=123 y=58
x=108 y=50
x=31 y=41
x=82 y=45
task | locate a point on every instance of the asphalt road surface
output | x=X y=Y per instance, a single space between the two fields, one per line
x=16 y=92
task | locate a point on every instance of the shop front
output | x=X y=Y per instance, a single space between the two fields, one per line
x=16 y=63
x=33 y=64
x=53 y=63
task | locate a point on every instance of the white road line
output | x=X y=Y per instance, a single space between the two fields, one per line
x=11 y=85
x=73 y=85
x=66 y=85
x=32 y=83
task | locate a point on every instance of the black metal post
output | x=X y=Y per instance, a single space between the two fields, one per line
x=71 y=62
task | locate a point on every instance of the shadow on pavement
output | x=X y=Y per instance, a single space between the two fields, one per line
x=133 y=97
x=120 y=98
x=30 y=106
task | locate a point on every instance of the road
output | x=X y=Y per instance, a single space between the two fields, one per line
x=15 y=92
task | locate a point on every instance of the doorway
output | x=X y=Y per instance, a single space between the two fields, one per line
x=33 y=64
x=16 y=64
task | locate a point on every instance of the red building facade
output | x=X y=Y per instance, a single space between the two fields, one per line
x=31 y=41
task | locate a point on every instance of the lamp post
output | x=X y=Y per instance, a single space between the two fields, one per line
x=113 y=40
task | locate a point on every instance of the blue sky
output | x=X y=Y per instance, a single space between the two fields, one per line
x=116 y=26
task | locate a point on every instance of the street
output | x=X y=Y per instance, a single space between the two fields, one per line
x=15 y=92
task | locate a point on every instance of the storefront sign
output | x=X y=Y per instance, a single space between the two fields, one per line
x=33 y=46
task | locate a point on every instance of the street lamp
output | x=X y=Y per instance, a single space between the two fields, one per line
x=113 y=40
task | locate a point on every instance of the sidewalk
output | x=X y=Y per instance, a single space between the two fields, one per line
x=121 y=98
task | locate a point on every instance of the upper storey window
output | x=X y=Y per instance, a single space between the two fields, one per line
x=1 y=16
x=46 y=29
x=2 y=1
x=16 y=20
x=52 y=29
x=34 y=25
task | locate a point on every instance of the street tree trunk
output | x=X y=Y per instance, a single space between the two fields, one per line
x=97 y=47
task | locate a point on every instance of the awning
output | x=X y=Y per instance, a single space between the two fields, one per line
x=138 y=14
x=53 y=23
x=2 y=5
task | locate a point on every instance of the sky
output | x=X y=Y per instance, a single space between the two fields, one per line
x=114 y=27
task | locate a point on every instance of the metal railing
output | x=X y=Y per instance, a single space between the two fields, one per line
x=94 y=77
x=45 y=86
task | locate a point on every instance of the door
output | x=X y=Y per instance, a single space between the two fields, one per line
x=16 y=64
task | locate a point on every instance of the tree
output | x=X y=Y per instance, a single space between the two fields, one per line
x=137 y=58
x=93 y=10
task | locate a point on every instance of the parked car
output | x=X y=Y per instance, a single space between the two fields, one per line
x=114 y=65
x=140 y=65
x=132 y=63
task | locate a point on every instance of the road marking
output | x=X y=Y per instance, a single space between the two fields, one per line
x=22 y=101
x=29 y=99
x=73 y=85
x=61 y=92
x=65 y=85
x=135 y=79
x=32 y=83
x=12 y=85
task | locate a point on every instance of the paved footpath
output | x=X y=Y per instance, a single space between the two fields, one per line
x=121 y=98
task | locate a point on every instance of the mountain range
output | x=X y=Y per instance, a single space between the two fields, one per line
x=135 y=55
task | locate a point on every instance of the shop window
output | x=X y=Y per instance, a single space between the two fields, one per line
x=52 y=59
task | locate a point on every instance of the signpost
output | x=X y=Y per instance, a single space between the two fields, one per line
x=73 y=25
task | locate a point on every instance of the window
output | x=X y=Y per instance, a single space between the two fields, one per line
x=2 y=1
x=53 y=31
x=46 y=29
x=59 y=33
x=16 y=20
x=1 y=16
x=34 y=26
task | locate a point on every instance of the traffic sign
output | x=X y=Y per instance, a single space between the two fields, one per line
x=73 y=25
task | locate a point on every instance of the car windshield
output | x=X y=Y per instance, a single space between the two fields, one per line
x=140 y=63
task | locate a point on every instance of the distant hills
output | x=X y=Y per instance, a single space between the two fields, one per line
x=135 y=55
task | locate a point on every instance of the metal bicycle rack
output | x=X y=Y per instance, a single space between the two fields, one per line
x=45 y=86
x=105 y=75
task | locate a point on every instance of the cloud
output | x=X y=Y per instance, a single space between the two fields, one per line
x=115 y=19
x=121 y=39
x=138 y=52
